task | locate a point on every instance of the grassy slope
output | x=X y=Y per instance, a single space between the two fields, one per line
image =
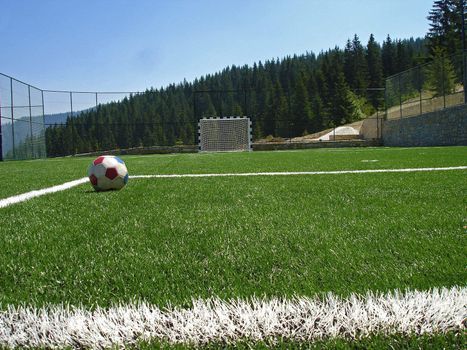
x=22 y=176
x=169 y=240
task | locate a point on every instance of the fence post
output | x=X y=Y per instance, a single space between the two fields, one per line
x=442 y=80
x=464 y=70
x=288 y=114
x=400 y=93
x=12 y=119
x=420 y=88
x=386 y=99
x=43 y=123
x=72 y=124
x=377 y=124
x=43 y=108
x=464 y=58
x=30 y=120
x=97 y=125
x=1 y=135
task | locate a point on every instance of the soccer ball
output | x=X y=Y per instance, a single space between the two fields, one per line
x=108 y=173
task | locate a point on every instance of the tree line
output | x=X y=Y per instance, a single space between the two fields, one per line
x=285 y=97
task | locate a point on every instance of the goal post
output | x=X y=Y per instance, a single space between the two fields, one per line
x=223 y=134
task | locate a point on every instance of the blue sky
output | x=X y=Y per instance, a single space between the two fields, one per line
x=123 y=45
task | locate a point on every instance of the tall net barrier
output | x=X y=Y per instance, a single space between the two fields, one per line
x=80 y=122
x=22 y=120
x=426 y=88
x=36 y=123
x=288 y=116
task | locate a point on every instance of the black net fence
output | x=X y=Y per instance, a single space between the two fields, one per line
x=37 y=123
x=426 y=88
x=21 y=119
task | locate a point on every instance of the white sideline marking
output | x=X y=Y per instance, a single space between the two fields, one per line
x=227 y=321
x=284 y=173
x=28 y=195
x=67 y=185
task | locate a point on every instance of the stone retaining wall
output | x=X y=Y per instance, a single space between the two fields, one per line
x=145 y=150
x=270 y=146
x=447 y=127
x=321 y=144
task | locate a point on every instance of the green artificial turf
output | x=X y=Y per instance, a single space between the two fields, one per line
x=171 y=240
x=23 y=176
x=451 y=340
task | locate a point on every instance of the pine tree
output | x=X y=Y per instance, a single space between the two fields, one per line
x=280 y=110
x=445 y=26
x=441 y=75
x=402 y=56
x=388 y=57
x=284 y=98
x=375 y=71
x=361 y=67
x=316 y=103
x=301 y=109
x=349 y=66
x=343 y=109
x=355 y=65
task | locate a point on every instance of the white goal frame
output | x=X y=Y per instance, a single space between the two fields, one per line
x=224 y=134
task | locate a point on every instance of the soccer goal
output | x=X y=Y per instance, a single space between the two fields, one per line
x=225 y=134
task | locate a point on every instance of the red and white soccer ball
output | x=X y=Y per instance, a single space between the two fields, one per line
x=108 y=173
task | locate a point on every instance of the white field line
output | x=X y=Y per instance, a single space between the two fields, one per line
x=67 y=185
x=28 y=195
x=215 y=320
x=285 y=173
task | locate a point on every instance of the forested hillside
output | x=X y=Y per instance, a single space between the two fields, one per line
x=284 y=97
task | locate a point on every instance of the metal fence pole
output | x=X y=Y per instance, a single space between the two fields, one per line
x=43 y=108
x=400 y=93
x=377 y=124
x=442 y=81
x=464 y=70
x=12 y=119
x=30 y=120
x=464 y=58
x=43 y=123
x=386 y=104
x=71 y=123
x=420 y=88
x=97 y=123
x=1 y=135
x=288 y=114
x=386 y=100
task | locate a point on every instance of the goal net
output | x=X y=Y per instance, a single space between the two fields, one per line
x=225 y=134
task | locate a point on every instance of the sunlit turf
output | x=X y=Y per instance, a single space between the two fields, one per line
x=450 y=340
x=170 y=240
x=22 y=176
